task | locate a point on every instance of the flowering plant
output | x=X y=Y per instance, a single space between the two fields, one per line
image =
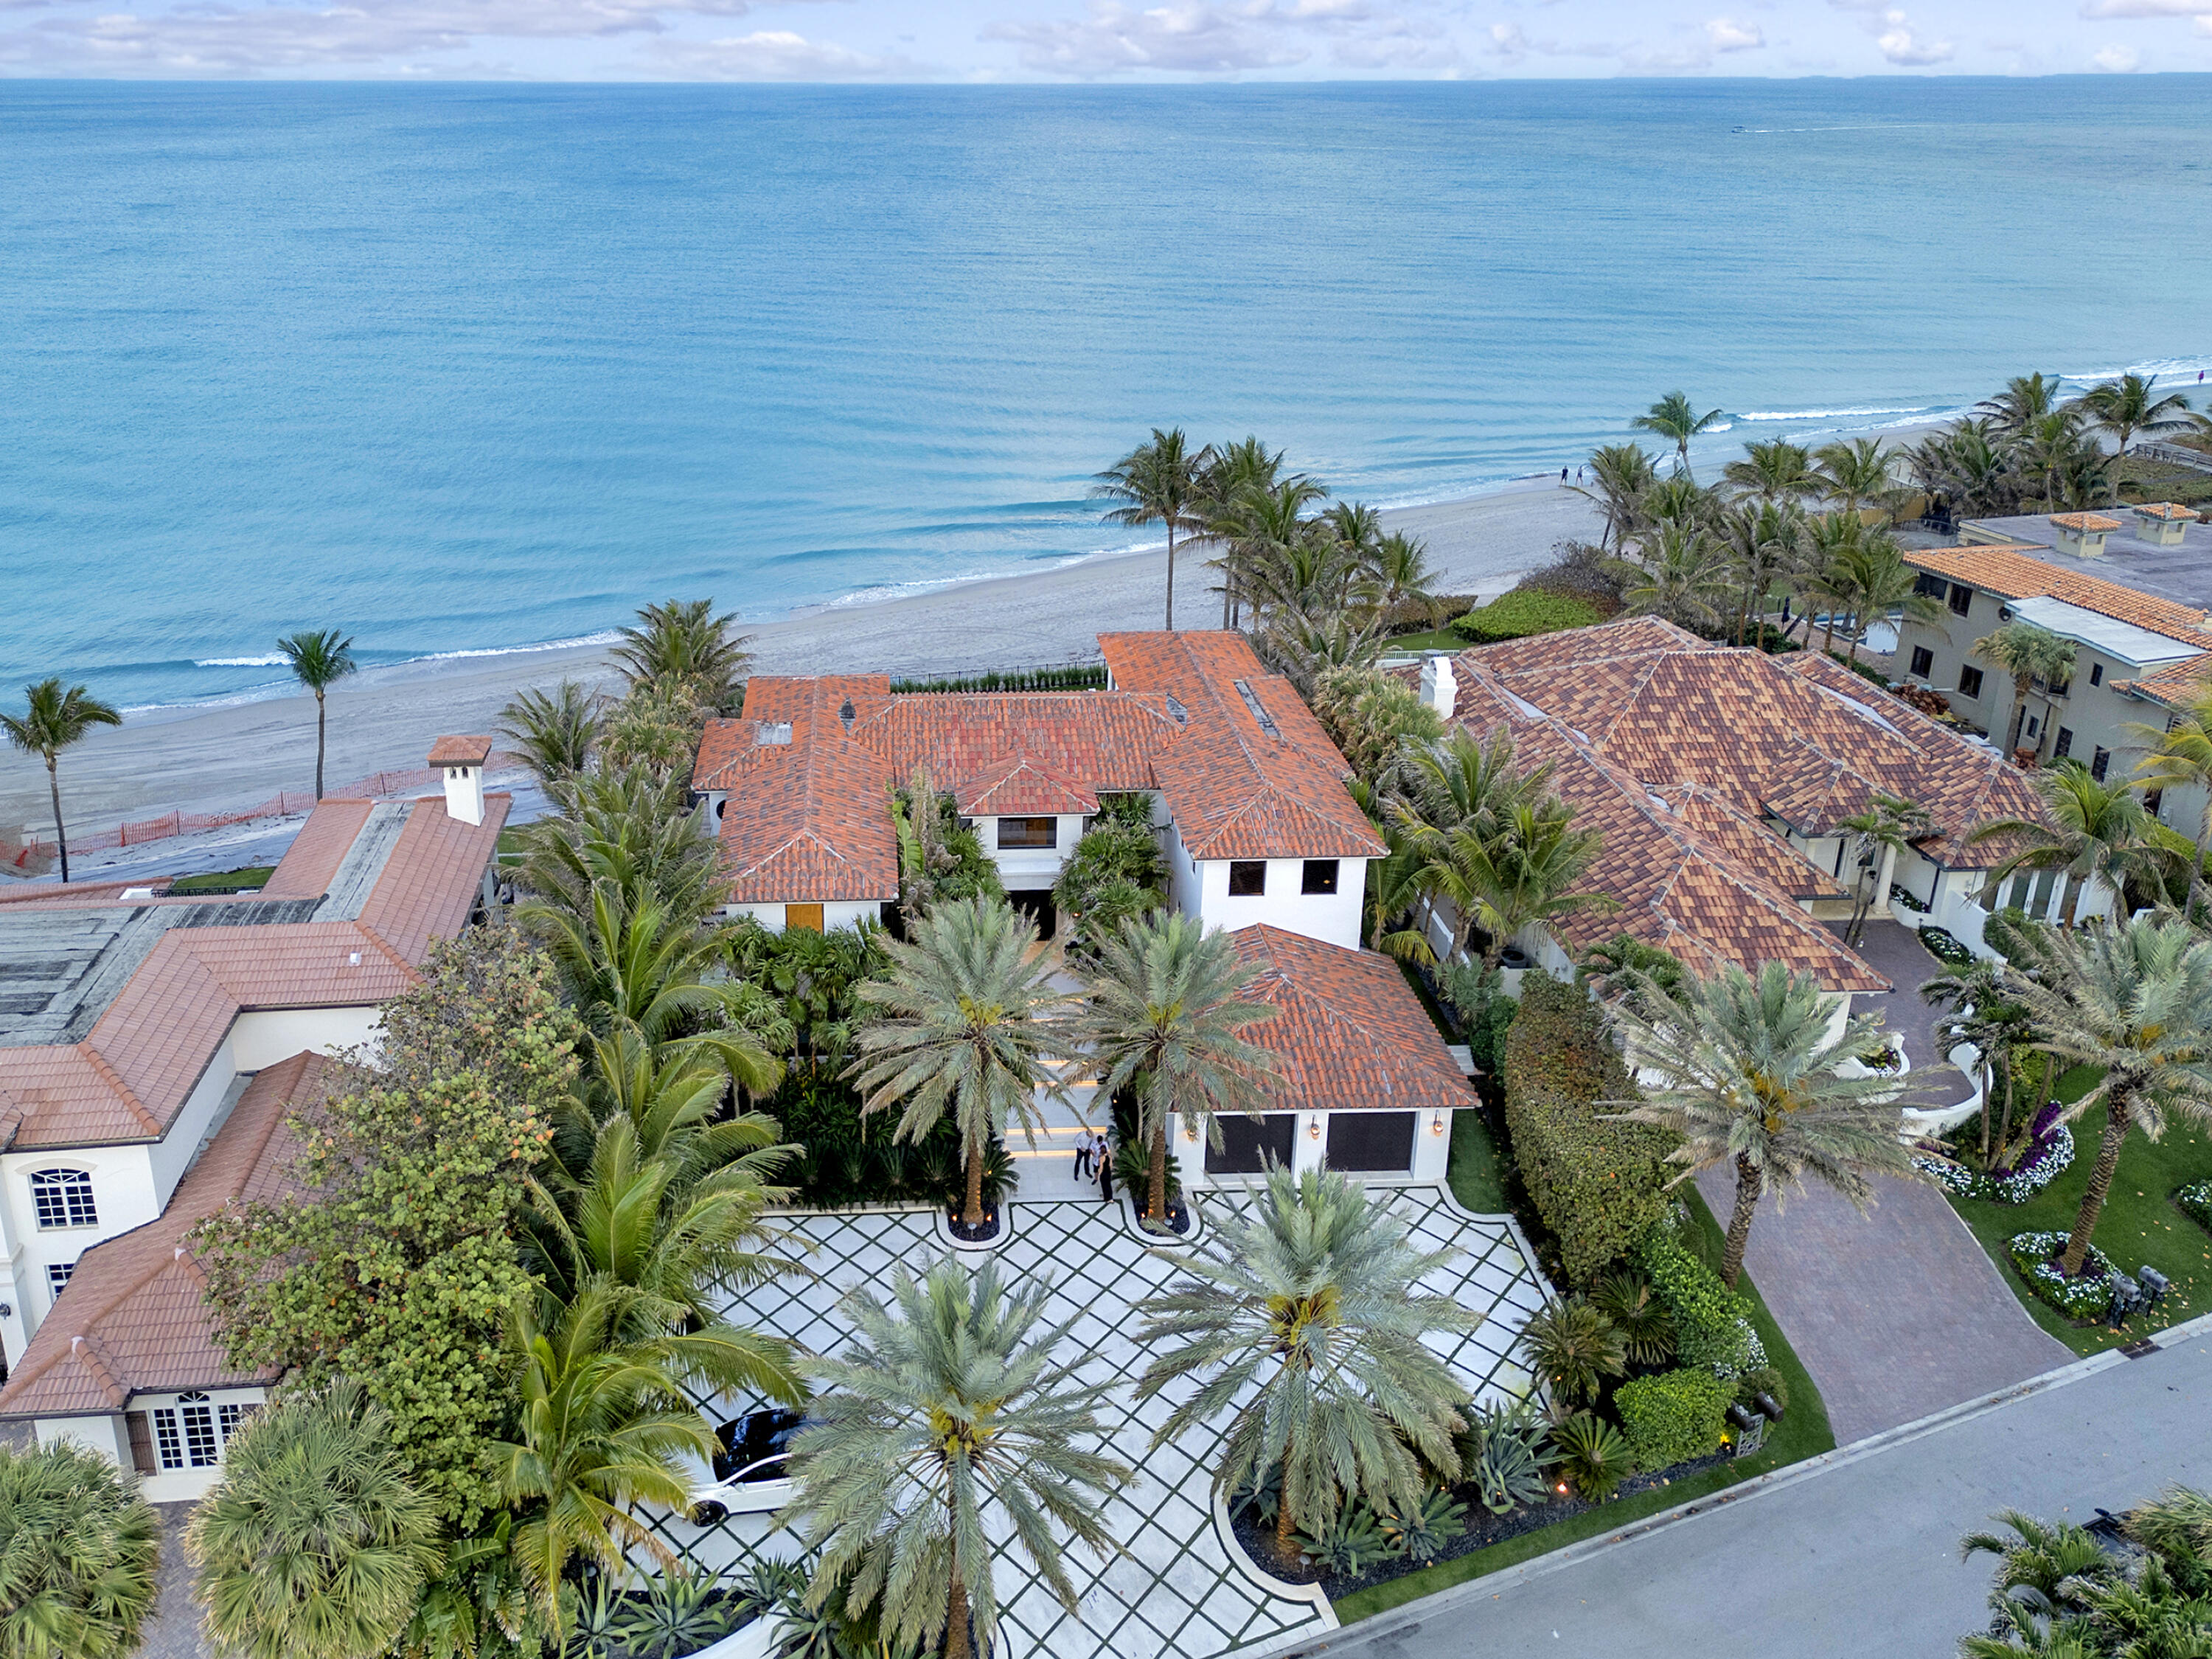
x=2087 y=1295
x=2049 y=1150
x=2196 y=1202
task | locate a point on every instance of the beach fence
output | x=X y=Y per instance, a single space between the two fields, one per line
x=285 y=803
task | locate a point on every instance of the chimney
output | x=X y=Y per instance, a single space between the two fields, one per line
x=462 y=760
x=1439 y=685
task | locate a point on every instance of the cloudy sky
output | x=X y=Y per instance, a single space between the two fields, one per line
x=1050 y=40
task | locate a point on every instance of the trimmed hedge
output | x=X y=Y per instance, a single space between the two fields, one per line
x=1523 y=611
x=1712 y=1324
x=1596 y=1185
x=1673 y=1417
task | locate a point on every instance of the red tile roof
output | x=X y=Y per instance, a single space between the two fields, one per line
x=312 y=860
x=1348 y=1034
x=132 y=1318
x=460 y=752
x=2013 y=575
x=2088 y=521
x=2175 y=684
x=2165 y=510
x=807 y=819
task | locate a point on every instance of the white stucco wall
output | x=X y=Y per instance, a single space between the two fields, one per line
x=104 y=1435
x=836 y=913
x=1333 y=918
x=1028 y=869
x=125 y=1193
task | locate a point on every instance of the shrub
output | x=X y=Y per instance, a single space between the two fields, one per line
x=1673 y=1417
x=2088 y=1295
x=1478 y=1001
x=1082 y=677
x=1712 y=1323
x=2196 y=1202
x=1595 y=1184
x=1766 y=1380
x=78 y=1550
x=1945 y=949
x=1524 y=612
x=2048 y=1150
x=1593 y=1456
x=1578 y=570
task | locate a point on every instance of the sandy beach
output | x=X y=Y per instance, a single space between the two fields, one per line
x=210 y=759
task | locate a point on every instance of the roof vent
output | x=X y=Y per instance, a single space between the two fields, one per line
x=1178 y=713
x=845 y=713
x=1259 y=710
x=353 y=958
x=769 y=733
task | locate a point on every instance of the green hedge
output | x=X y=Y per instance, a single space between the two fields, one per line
x=1595 y=1184
x=1712 y=1323
x=1524 y=612
x=1673 y=1417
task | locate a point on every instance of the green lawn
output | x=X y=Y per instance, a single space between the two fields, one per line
x=511 y=846
x=1440 y=639
x=1475 y=1175
x=224 y=881
x=2139 y=1224
x=1803 y=1432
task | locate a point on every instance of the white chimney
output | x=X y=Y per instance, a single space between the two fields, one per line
x=1439 y=685
x=462 y=760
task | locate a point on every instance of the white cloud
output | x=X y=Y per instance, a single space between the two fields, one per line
x=772 y=55
x=2117 y=60
x=1726 y=34
x=1901 y=46
x=2198 y=8
x=1116 y=40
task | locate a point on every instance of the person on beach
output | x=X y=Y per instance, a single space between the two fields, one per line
x=1082 y=1156
x=1563 y=477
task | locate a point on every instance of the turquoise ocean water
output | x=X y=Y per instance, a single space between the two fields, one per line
x=464 y=369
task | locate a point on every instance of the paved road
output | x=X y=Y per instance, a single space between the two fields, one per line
x=1858 y=1555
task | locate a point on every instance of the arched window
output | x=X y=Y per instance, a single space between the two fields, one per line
x=63 y=1198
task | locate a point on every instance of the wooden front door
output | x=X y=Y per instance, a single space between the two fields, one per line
x=808 y=916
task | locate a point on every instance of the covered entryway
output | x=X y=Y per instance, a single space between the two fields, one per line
x=1036 y=904
x=1377 y=1143
x=1249 y=1147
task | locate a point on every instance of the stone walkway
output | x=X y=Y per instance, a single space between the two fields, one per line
x=1900 y=957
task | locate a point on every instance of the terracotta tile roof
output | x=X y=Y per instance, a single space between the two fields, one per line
x=132 y=1320
x=2165 y=510
x=1018 y=786
x=314 y=857
x=2173 y=685
x=2091 y=521
x=1097 y=740
x=472 y=750
x=727 y=747
x=2013 y=574
x=430 y=883
x=1348 y=1034
x=808 y=816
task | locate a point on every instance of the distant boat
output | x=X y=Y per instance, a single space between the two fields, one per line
x=1739 y=128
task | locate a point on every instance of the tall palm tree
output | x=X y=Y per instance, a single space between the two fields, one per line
x=628 y=827
x=1884 y=829
x=555 y=731
x=1880 y=581
x=315 y=1545
x=1157 y=483
x=1458 y=793
x=1673 y=419
x=2049 y=445
x=1235 y=472
x=2095 y=830
x=54 y=720
x=1856 y=474
x=635 y=964
x=1749 y=1073
x=1762 y=539
x=1774 y=470
x=2026 y=652
x=1530 y=870
x=1164 y=1016
x=80 y=1554
x=2026 y=398
x=320 y=661
x=948 y=1405
x=682 y=646
x=1402 y=574
x=1685 y=577
x=2181 y=759
x=1620 y=475
x=2133 y=1000
x=2128 y=406
x=964 y=1023
x=1304 y=1317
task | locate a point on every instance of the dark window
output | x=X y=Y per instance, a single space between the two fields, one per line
x=1320 y=877
x=2062 y=688
x=2152 y=800
x=1247 y=1147
x=1970 y=682
x=2099 y=762
x=1929 y=584
x=1028 y=832
x=63 y=1199
x=1377 y=1141
x=2065 y=746
x=1247 y=878
x=2096 y=673
x=1924 y=660
x=1962 y=599
x=58 y=1275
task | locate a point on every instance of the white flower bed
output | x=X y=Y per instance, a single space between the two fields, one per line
x=2016 y=1187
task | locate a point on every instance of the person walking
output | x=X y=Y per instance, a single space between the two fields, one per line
x=1563 y=477
x=1083 y=1145
x=1105 y=1170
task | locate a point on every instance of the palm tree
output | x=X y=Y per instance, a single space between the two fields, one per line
x=1304 y=1317
x=964 y=1022
x=2049 y=445
x=2026 y=398
x=1234 y=473
x=1774 y=470
x=627 y=826
x=320 y=661
x=554 y=732
x=1761 y=538
x=1981 y=1015
x=1686 y=576
x=2095 y=829
x=79 y=1555
x=1673 y=419
x=2133 y=1000
x=1856 y=474
x=1157 y=483
x=2181 y=759
x=1620 y=475
x=1529 y=876
x=314 y=1546
x=1749 y=1073
x=1165 y=1010
x=680 y=646
x=1458 y=792
x=54 y=720
x=1886 y=827
x=1880 y=581
x=2127 y=406
x=947 y=1405
x=2026 y=652
x=1402 y=574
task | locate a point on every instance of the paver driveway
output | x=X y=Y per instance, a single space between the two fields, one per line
x=1175 y=1594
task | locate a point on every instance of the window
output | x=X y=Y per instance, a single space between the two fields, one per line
x=1929 y=584
x=2098 y=762
x=2065 y=746
x=190 y=1436
x=2153 y=799
x=58 y=1275
x=1962 y=599
x=2096 y=673
x=2033 y=725
x=802 y=917
x=1924 y=660
x=1320 y=877
x=2062 y=688
x=1028 y=832
x=1247 y=878
x=63 y=1198
x=1970 y=682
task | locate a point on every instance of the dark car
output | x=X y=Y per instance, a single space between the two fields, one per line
x=748 y=1441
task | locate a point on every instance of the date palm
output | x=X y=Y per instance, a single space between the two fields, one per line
x=2133 y=1000
x=1749 y=1073
x=1157 y=483
x=556 y=731
x=1165 y=1015
x=1305 y=1318
x=1774 y=470
x=54 y=720
x=2026 y=652
x=80 y=1551
x=1621 y=474
x=315 y=1545
x=2093 y=830
x=1673 y=419
x=964 y=1023
x=320 y=661
x=2180 y=758
x=681 y=646
x=948 y=1405
x=2128 y=406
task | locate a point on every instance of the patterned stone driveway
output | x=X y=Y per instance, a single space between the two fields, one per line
x=1174 y=1593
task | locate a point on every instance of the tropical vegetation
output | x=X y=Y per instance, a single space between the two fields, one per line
x=54 y=720
x=318 y=658
x=2128 y=1588
x=79 y=1550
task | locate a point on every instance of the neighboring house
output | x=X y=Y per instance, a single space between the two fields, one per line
x=147 y=1044
x=1245 y=787
x=1719 y=780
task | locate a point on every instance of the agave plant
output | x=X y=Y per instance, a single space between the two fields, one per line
x=1503 y=1455
x=1420 y=1531
x=1351 y=1543
x=682 y=1612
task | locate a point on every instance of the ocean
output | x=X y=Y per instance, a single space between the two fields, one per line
x=465 y=368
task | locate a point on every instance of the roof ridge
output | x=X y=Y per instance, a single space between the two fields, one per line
x=380 y=942
x=113 y=1079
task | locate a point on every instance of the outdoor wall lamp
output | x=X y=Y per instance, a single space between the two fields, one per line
x=1189 y=1130
x=1436 y=1123
x=1313 y=1128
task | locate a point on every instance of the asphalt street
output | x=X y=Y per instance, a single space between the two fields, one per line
x=1857 y=1555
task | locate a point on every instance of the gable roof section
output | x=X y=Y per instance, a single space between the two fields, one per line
x=1019 y=785
x=2174 y=685
x=2013 y=574
x=806 y=820
x=1095 y=741
x=132 y=1318
x=1348 y=1034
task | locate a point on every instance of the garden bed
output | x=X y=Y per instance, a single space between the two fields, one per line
x=2049 y=1154
x=2083 y=1299
x=2195 y=1201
